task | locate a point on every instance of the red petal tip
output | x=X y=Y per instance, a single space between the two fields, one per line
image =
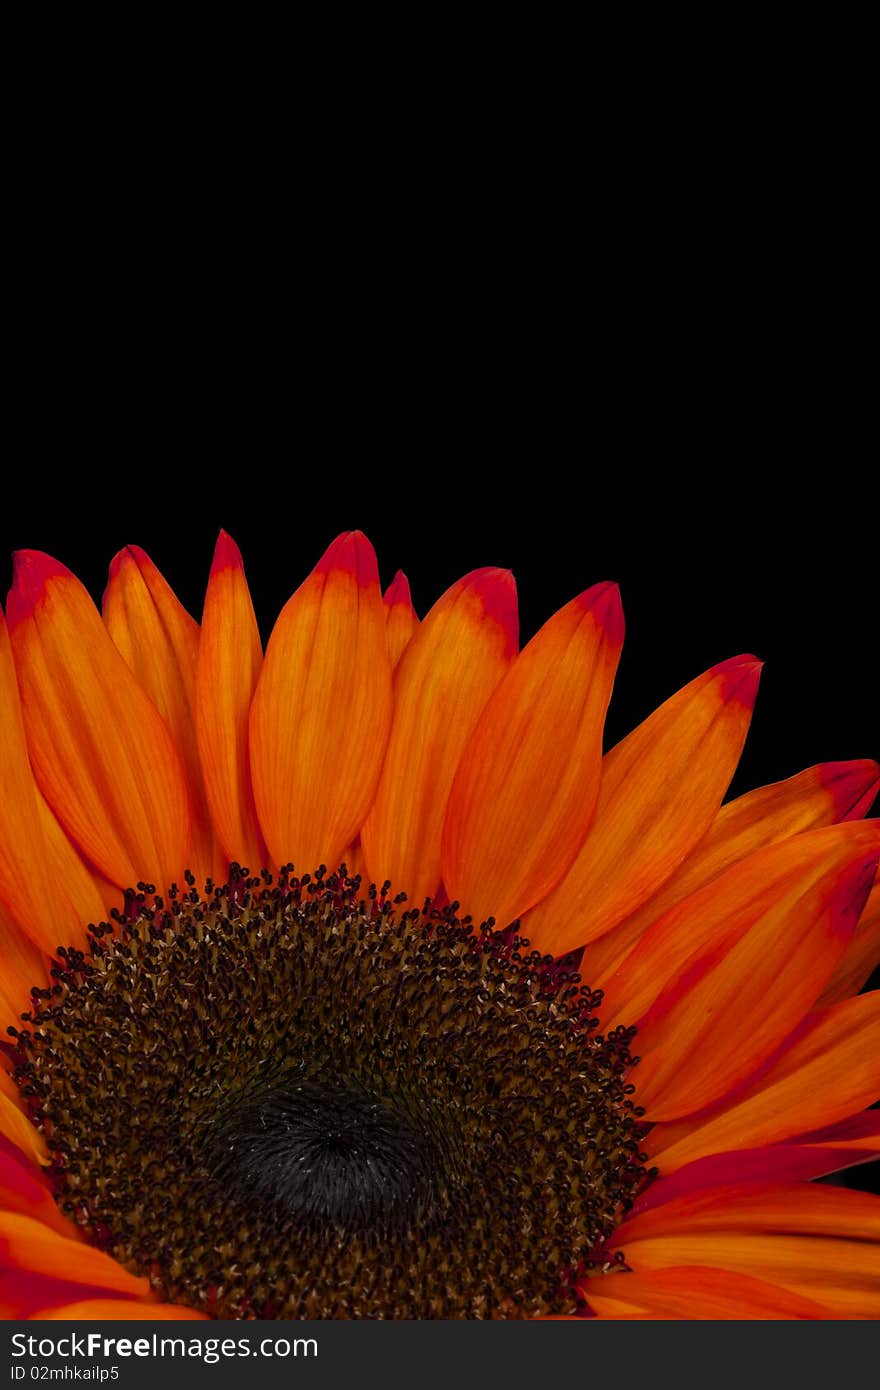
x=128 y=555
x=398 y=591
x=352 y=553
x=850 y=893
x=603 y=601
x=853 y=785
x=227 y=555
x=31 y=571
x=496 y=590
x=740 y=677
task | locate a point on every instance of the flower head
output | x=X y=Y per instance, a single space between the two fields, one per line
x=363 y=984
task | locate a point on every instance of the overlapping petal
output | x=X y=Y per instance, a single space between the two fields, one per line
x=526 y=788
x=159 y=641
x=745 y=988
x=100 y=750
x=450 y=669
x=229 y=662
x=321 y=714
x=696 y=1292
x=828 y=1072
x=761 y=894
x=819 y=796
x=820 y=1242
x=401 y=619
x=661 y=789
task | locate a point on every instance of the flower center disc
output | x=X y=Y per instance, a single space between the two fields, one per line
x=291 y=1099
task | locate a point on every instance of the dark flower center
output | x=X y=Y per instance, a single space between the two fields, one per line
x=292 y=1099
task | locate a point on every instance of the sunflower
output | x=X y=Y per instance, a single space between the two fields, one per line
x=353 y=980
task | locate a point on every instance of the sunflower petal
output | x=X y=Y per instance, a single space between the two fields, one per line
x=401 y=619
x=861 y=957
x=695 y=1292
x=30 y=1247
x=322 y=710
x=739 y=996
x=118 y=1310
x=17 y=1128
x=25 y=886
x=100 y=750
x=774 y=883
x=828 y=1072
x=661 y=789
x=819 y=796
x=22 y=965
x=23 y=1190
x=769 y=1163
x=230 y=659
x=821 y=1242
x=525 y=791
x=159 y=642
x=448 y=673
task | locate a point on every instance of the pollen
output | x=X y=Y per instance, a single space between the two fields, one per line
x=297 y=1097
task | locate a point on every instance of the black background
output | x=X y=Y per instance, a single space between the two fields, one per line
x=731 y=554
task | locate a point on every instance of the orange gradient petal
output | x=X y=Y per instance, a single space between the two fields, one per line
x=820 y=1242
x=450 y=669
x=661 y=789
x=774 y=884
x=230 y=659
x=695 y=1292
x=401 y=619
x=25 y=881
x=861 y=957
x=15 y=1125
x=118 y=1310
x=23 y=1190
x=22 y=964
x=820 y=796
x=77 y=892
x=322 y=711
x=29 y=1246
x=829 y=1071
x=526 y=788
x=159 y=642
x=738 y=998
x=100 y=750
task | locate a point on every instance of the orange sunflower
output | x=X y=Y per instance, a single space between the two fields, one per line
x=237 y=1084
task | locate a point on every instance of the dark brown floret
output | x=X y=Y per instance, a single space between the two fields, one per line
x=292 y=1099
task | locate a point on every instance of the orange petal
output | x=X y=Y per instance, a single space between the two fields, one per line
x=695 y=1292
x=22 y=965
x=798 y=1208
x=861 y=957
x=73 y=884
x=159 y=642
x=661 y=789
x=230 y=658
x=401 y=619
x=23 y=1190
x=15 y=1125
x=25 y=883
x=118 y=1310
x=100 y=750
x=819 y=796
x=450 y=669
x=322 y=711
x=821 y=1242
x=803 y=1157
x=830 y=1071
x=740 y=995
x=771 y=881
x=29 y=1246
x=526 y=787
